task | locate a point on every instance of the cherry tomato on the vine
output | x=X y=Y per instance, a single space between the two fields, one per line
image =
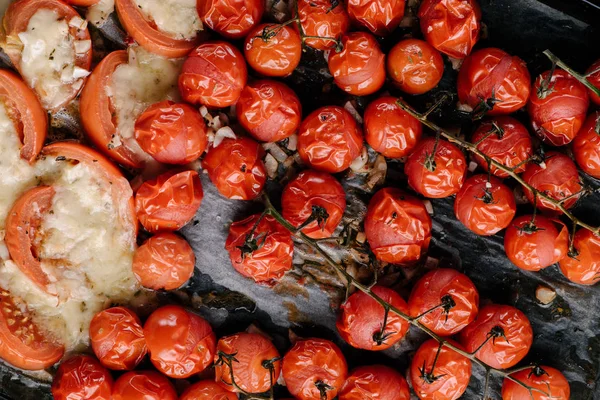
x=207 y=390
x=415 y=66
x=143 y=385
x=375 y=382
x=273 y=50
x=583 y=266
x=322 y=18
x=586 y=146
x=594 y=78
x=545 y=379
x=231 y=18
x=81 y=378
x=379 y=16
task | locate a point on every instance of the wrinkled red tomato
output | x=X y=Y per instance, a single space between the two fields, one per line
x=506 y=332
x=322 y=18
x=379 y=16
x=375 y=382
x=454 y=295
x=583 y=266
x=594 y=78
x=231 y=18
x=266 y=254
x=415 y=66
x=236 y=168
x=207 y=390
x=586 y=146
x=329 y=139
x=180 y=343
x=146 y=385
x=273 y=50
x=546 y=379
x=117 y=338
x=361 y=318
x=397 y=226
x=81 y=378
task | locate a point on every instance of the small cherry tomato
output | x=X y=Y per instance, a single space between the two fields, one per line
x=82 y=378
x=415 y=66
x=506 y=141
x=439 y=373
x=117 y=338
x=485 y=205
x=361 y=319
x=329 y=139
x=310 y=190
x=231 y=18
x=314 y=369
x=180 y=343
x=264 y=257
x=436 y=168
x=547 y=379
x=236 y=168
x=502 y=334
x=586 y=146
x=397 y=226
x=322 y=18
x=269 y=110
x=164 y=262
x=454 y=295
x=254 y=360
x=451 y=26
x=379 y=16
x=143 y=385
x=273 y=50
x=375 y=382
x=213 y=75
x=583 y=265
x=359 y=68
x=390 y=130
x=557 y=107
x=207 y=390
x=170 y=201
x=594 y=78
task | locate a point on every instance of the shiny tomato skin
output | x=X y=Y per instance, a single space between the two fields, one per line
x=583 y=267
x=117 y=338
x=143 y=385
x=451 y=26
x=82 y=378
x=361 y=318
x=586 y=146
x=322 y=18
x=506 y=351
x=359 y=69
x=397 y=226
x=549 y=380
x=207 y=390
x=278 y=55
x=309 y=189
x=236 y=168
x=485 y=205
x=415 y=66
x=375 y=382
x=448 y=174
x=271 y=260
x=269 y=110
x=312 y=360
x=557 y=116
x=213 y=75
x=379 y=16
x=594 y=78
x=164 y=262
x=180 y=343
x=429 y=292
x=389 y=130
x=329 y=139
x=232 y=19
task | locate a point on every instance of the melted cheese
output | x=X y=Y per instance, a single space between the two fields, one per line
x=177 y=18
x=99 y=13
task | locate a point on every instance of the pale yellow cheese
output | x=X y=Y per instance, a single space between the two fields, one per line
x=177 y=18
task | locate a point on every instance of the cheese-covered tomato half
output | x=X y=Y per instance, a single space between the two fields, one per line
x=236 y=168
x=379 y=16
x=213 y=75
x=82 y=377
x=147 y=385
x=397 y=226
x=586 y=146
x=375 y=382
x=582 y=264
x=273 y=50
x=415 y=66
x=543 y=378
x=232 y=19
x=322 y=18
x=593 y=75
x=49 y=44
x=207 y=390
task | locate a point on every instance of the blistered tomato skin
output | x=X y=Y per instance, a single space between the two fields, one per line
x=207 y=390
x=361 y=318
x=146 y=385
x=329 y=139
x=375 y=382
x=273 y=50
x=322 y=18
x=433 y=289
x=82 y=378
x=232 y=19
x=546 y=379
x=586 y=146
x=397 y=226
x=583 y=266
x=379 y=16
x=415 y=66
x=594 y=78
x=236 y=168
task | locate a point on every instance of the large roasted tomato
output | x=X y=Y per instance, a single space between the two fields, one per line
x=415 y=66
x=546 y=379
x=146 y=385
x=379 y=16
x=361 y=320
x=447 y=300
x=82 y=378
x=583 y=265
x=594 y=78
x=231 y=18
x=502 y=334
x=180 y=343
x=207 y=390
x=324 y=19
x=273 y=50
x=397 y=226
x=375 y=382
x=586 y=146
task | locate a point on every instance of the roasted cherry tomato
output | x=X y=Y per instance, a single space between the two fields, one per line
x=415 y=66
x=180 y=343
x=315 y=194
x=506 y=141
x=143 y=385
x=594 y=78
x=314 y=369
x=170 y=201
x=207 y=390
x=439 y=373
x=214 y=75
x=164 y=262
x=397 y=226
x=586 y=146
x=390 y=130
x=254 y=360
x=265 y=255
x=269 y=110
x=273 y=50
x=485 y=205
x=361 y=318
x=451 y=26
x=557 y=107
x=236 y=168
x=436 y=168
x=547 y=379
x=454 y=295
x=231 y=18
x=82 y=378
x=375 y=382
x=504 y=333
x=379 y=16
x=325 y=19
x=329 y=139
x=583 y=264
x=117 y=338
x=359 y=68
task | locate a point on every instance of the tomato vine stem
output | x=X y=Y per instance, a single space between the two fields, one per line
x=581 y=78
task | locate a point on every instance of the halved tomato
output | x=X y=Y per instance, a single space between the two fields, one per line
x=82 y=3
